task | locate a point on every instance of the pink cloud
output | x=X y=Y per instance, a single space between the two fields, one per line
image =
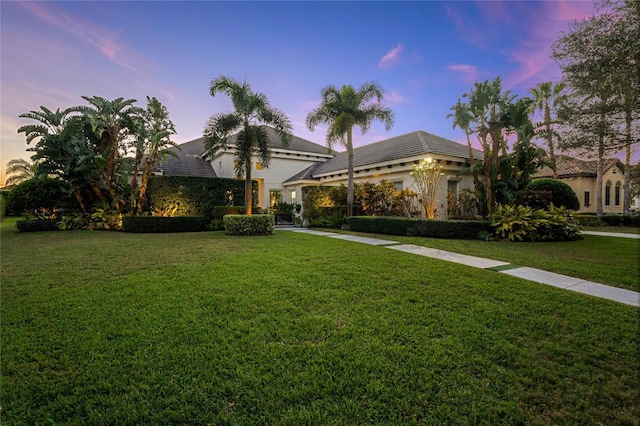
x=572 y=10
x=394 y=98
x=391 y=57
x=469 y=72
x=101 y=38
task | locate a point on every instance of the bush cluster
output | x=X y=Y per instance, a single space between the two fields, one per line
x=38 y=198
x=148 y=224
x=192 y=195
x=3 y=207
x=221 y=211
x=561 y=194
x=452 y=229
x=262 y=224
x=33 y=225
x=522 y=223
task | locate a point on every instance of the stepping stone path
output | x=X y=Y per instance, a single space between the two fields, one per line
x=544 y=277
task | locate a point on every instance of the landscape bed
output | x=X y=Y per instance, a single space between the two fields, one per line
x=196 y=328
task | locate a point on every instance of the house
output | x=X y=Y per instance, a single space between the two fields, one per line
x=580 y=175
x=304 y=163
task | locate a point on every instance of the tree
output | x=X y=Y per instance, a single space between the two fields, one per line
x=19 y=171
x=111 y=122
x=251 y=112
x=152 y=145
x=462 y=119
x=426 y=179
x=599 y=59
x=344 y=109
x=49 y=123
x=547 y=98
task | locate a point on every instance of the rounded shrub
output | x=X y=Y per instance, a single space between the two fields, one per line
x=561 y=194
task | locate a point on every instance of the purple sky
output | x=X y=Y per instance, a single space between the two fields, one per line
x=424 y=54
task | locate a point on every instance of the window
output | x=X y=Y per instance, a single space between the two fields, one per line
x=607 y=194
x=258 y=166
x=587 y=199
x=452 y=186
x=293 y=195
x=398 y=185
x=616 y=194
x=274 y=197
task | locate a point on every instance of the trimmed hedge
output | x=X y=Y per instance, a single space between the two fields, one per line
x=192 y=195
x=608 y=220
x=242 y=224
x=149 y=224
x=3 y=207
x=561 y=194
x=35 y=225
x=37 y=196
x=451 y=229
x=221 y=211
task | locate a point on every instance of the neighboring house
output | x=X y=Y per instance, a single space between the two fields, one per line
x=304 y=163
x=580 y=175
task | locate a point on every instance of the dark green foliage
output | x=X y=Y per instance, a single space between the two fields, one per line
x=588 y=220
x=332 y=217
x=621 y=219
x=221 y=211
x=459 y=229
x=522 y=223
x=261 y=224
x=3 y=207
x=33 y=225
x=561 y=194
x=37 y=197
x=191 y=195
x=146 y=224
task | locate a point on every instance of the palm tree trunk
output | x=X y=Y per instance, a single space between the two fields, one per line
x=552 y=154
x=247 y=186
x=472 y=162
x=349 y=174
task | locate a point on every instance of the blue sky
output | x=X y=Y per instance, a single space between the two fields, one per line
x=425 y=55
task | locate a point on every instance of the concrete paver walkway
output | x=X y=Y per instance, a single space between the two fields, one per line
x=544 y=277
x=612 y=234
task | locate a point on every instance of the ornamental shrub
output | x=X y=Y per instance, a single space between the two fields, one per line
x=160 y=224
x=522 y=223
x=452 y=229
x=241 y=224
x=34 y=225
x=561 y=194
x=221 y=211
x=38 y=198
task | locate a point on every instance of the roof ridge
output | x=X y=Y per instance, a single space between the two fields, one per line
x=423 y=142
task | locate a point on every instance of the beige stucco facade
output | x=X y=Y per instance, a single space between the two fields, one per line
x=612 y=191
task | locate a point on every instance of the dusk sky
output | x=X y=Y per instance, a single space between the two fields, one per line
x=425 y=55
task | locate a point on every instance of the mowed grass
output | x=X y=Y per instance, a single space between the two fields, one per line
x=607 y=260
x=204 y=328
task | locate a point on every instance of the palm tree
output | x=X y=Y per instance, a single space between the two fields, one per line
x=20 y=170
x=547 y=98
x=251 y=112
x=343 y=109
x=462 y=119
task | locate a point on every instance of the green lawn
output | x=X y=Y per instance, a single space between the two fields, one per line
x=606 y=260
x=115 y=328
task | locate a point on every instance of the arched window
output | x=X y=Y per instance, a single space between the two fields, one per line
x=607 y=194
x=616 y=194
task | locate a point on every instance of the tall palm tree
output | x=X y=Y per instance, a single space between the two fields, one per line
x=343 y=109
x=251 y=112
x=462 y=119
x=20 y=170
x=547 y=98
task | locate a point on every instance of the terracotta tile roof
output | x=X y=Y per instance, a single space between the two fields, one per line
x=572 y=167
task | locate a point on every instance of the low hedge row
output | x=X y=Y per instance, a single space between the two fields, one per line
x=241 y=224
x=221 y=211
x=148 y=224
x=608 y=220
x=33 y=225
x=451 y=229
